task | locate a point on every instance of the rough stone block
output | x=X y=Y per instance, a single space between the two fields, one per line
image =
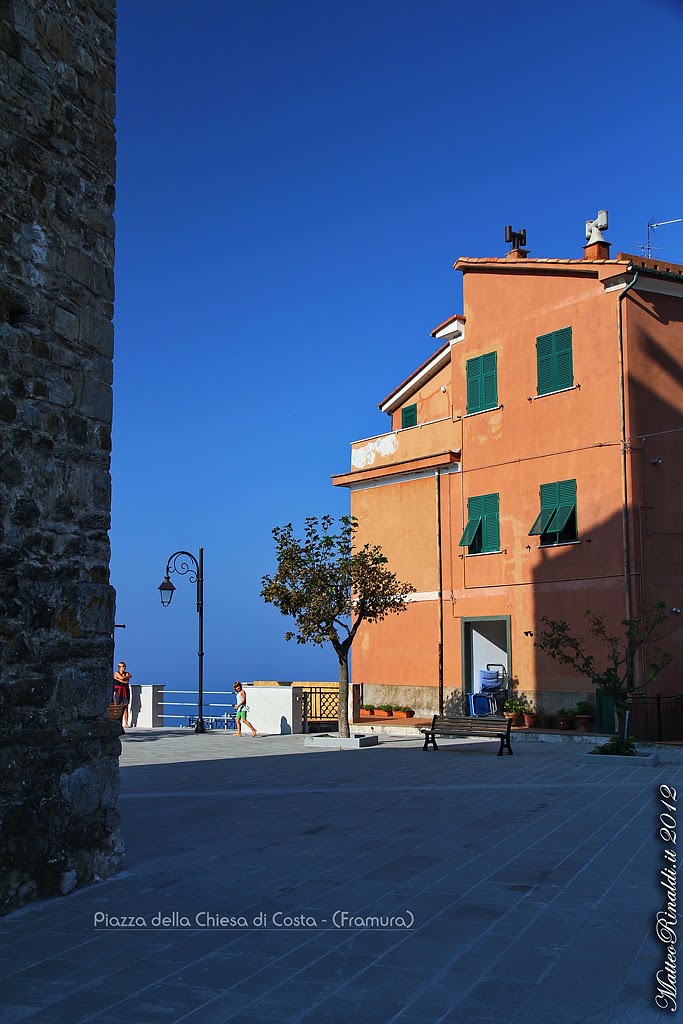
x=66 y=324
x=58 y=823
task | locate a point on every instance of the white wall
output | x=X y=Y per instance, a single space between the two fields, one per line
x=145 y=710
x=488 y=647
x=276 y=710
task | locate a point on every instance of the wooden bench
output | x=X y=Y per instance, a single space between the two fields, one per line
x=488 y=726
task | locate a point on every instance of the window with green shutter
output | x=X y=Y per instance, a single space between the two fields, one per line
x=482 y=382
x=554 y=361
x=556 y=522
x=482 y=533
x=409 y=416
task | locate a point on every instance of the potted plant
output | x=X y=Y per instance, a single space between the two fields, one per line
x=367 y=710
x=584 y=715
x=513 y=708
x=566 y=717
x=401 y=711
x=530 y=714
x=544 y=719
x=385 y=711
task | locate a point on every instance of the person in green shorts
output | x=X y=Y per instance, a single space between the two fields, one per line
x=241 y=710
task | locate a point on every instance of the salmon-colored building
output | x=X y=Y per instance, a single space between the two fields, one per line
x=534 y=466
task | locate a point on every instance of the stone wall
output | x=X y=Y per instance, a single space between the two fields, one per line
x=58 y=752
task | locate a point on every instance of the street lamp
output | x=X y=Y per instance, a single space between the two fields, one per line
x=195 y=569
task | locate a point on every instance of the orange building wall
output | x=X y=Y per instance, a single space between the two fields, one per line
x=654 y=404
x=574 y=434
x=432 y=403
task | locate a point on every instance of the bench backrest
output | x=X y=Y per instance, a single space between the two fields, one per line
x=463 y=725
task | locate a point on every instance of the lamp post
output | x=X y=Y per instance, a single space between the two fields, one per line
x=195 y=569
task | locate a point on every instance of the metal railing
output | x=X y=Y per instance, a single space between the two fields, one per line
x=320 y=707
x=225 y=719
x=656 y=719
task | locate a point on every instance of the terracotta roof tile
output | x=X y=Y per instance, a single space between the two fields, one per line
x=539 y=259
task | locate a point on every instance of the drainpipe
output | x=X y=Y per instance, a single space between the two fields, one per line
x=437 y=476
x=624 y=464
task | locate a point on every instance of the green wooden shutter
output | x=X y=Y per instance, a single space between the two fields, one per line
x=566 y=504
x=549 y=496
x=544 y=363
x=490 y=380
x=475 y=388
x=491 y=523
x=564 y=370
x=475 y=512
x=554 y=361
x=409 y=416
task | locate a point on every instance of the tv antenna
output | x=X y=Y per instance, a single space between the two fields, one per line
x=652 y=226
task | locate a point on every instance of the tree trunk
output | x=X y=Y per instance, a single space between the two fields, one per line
x=621 y=723
x=344 y=694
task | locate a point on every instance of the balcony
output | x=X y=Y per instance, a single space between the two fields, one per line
x=425 y=446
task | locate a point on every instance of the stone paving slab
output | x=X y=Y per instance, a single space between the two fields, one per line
x=529 y=884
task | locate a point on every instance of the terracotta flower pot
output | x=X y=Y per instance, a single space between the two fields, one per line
x=530 y=721
x=514 y=715
x=583 y=723
x=366 y=713
x=566 y=723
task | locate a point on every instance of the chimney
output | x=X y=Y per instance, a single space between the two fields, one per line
x=597 y=251
x=517 y=239
x=597 y=247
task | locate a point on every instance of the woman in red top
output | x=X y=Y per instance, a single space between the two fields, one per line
x=121 y=694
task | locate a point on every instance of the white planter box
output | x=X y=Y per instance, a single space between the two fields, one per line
x=330 y=742
x=613 y=760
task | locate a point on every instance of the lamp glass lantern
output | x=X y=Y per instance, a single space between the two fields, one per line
x=166 y=591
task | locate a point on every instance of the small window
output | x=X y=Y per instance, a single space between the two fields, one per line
x=556 y=522
x=482 y=382
x=409 y=416
x=482 y=533
x=554 y=361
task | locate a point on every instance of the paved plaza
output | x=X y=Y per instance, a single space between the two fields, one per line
x=266 y=881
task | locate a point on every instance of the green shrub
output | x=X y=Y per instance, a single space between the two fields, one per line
x=367 y=707
x=584 y=707
x=565 y=713
x=515 y=704
x=616 y=745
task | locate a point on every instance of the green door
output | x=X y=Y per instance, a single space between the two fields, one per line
x=604 y=713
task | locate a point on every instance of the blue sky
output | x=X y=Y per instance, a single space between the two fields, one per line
x=295 y=182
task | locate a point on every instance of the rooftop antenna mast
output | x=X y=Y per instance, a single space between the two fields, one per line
x=654 y=226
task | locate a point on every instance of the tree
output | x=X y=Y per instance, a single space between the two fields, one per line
x=617 y=676
x=329 y=587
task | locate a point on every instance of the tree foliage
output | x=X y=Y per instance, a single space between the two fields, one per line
x=614 y=671
x=329 y=586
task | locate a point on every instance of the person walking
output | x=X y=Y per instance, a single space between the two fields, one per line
x=121 y=695
x=241 y=709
